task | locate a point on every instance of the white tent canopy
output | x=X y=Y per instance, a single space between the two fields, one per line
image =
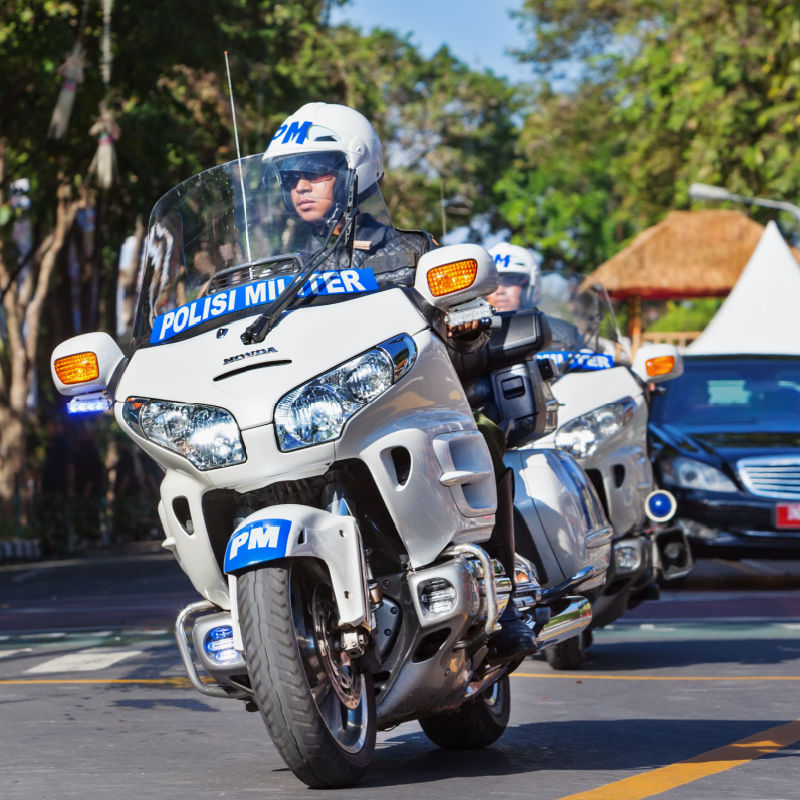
x=762 y=312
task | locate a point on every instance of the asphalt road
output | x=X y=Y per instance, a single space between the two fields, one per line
x=692 y=697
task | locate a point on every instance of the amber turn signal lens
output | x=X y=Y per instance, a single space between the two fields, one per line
x=452 y=277
x=78 y=368
x=660 y=365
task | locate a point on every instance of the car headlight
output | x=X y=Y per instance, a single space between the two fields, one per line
x=690 y=474
x=317 y=411
x=206 y=435
x=582 y=436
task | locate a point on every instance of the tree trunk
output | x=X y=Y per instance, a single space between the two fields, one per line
x=23 y=304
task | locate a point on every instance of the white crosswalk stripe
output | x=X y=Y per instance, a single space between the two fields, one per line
x=88 y=660
x=9 y=653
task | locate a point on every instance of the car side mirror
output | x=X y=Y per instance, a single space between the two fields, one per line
x=655 y=363
x=456 y=274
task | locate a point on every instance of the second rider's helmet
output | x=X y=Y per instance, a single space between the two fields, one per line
x=519 y=265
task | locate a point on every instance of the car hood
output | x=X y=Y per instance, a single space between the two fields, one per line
x=714 y=446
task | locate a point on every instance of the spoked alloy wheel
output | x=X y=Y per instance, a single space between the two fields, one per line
x=319 y=708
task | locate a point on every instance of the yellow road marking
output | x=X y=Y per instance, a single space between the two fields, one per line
x=663 y=779
x=152 y=681
x=745 y=568
x=582 y=676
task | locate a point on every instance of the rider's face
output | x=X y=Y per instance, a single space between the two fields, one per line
x=507 y=296
x=312 y=196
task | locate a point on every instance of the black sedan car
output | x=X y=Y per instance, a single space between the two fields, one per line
x=725 y=439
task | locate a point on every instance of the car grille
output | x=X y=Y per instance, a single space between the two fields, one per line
x=771 y=477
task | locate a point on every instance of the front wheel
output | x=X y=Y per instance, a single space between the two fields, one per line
x=319 y=708
x=477 y=724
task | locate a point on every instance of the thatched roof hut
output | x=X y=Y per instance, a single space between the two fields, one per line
x=687 y=254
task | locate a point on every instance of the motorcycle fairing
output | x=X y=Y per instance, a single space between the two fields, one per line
x=305 y=343
x=626 y=450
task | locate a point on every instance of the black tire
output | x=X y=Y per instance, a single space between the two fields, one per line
x=477 y=724
x=569 y=654
x=319 y=712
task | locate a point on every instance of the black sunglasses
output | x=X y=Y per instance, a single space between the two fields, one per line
x=512 y=280
x=290 y=178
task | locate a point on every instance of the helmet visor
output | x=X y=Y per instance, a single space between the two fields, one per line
x=312 y=167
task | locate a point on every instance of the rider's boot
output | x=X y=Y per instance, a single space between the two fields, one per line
x=515 y=639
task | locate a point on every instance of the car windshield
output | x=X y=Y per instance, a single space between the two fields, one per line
x=249 y=222
x=581 y=319
x=730 y=392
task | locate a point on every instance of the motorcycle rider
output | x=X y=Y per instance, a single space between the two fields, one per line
x=518 y=273
x=310 y=155
x=520 y=287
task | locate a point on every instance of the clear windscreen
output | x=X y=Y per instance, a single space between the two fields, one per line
x=580 y=319
x=246 y=222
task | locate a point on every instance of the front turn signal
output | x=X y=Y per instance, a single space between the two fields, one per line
x=452 y=277
x=661 y=365
x=77 y=368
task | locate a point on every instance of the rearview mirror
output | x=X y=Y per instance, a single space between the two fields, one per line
x=456 y=274
x=655 y=363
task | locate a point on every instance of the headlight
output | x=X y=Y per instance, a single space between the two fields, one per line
x=318 y=410
x=583 y=435
x=690 y=474
x=207 y=435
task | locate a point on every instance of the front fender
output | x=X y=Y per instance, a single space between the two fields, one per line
x=294 y=531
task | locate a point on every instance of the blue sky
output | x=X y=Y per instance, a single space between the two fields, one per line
x=478 y=32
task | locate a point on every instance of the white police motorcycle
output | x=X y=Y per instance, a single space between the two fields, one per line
x=602 y=421
x=325 y=487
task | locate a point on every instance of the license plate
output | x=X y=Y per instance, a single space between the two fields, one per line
x=787 y=516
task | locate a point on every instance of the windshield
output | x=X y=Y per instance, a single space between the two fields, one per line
x=581 y=321
x=252 y=221
x=730 y=393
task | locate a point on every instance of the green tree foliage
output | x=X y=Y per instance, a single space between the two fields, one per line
x=659 y=95
x=446 y=128
x=686 y=315
x=167 y=93
x=559 y=195
x=441 y=122
x=712 y=96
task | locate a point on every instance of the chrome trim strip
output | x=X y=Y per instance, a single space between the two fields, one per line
x=576 y=617
x=403 y=352
x=776 y=477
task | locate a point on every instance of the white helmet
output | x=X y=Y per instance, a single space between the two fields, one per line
x=513 y=260
x=328 y=127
